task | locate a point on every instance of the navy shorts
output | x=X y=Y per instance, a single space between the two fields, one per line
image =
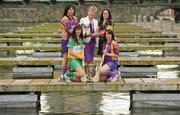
x=64 y=48
x=112 y=65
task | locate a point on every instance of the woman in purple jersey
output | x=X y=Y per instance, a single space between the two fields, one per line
x=68 y=22
x=109 y=68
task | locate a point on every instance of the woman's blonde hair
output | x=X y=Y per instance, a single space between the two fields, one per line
x=92 y=8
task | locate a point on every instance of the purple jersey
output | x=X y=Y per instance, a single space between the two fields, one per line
x=112 y=47
x=112 y=62
x=66 y=25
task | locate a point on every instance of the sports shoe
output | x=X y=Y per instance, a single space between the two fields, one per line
x=109 y=80
x=67 y=78
x=61 y=78
x=114 y=79
x=84 y=78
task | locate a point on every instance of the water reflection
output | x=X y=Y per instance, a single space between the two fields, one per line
x=19 y=112
x=85 y=103
x=70 y=102
x=115 y=104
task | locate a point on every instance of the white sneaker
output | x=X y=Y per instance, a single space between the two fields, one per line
x=84 y=78
x=114 y=79
x=109 y=80
x=119 y=74
x=62 y=78
x=67 y=78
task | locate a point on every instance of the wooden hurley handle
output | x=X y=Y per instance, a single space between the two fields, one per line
x=97 y=75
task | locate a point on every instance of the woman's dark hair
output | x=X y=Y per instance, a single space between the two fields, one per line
x=109 y=31
x=67 y=8
x=74 y=33
x=101 y=17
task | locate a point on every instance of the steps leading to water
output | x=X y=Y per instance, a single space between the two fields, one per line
x=122 y=85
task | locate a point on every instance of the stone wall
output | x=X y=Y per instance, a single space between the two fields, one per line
x=52 y=13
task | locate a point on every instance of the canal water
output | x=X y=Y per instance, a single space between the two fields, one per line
x=107 y=103
x=86 y=103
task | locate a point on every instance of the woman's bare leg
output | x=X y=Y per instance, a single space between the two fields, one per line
x=103 y=72
x=79 y=73
x=64 y=63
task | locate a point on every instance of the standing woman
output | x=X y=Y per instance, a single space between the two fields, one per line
x=68 y=22
x=90 y=34
x=107 y=71
x=104 y=23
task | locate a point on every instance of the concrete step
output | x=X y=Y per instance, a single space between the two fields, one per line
x=155 y=99
x=19 y=100
x=46 y=54
x=32 y=72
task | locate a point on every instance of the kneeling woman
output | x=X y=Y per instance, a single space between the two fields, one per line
x=76 y=55
x=111 y=53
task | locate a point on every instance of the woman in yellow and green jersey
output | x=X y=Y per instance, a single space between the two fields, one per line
x=76 y=56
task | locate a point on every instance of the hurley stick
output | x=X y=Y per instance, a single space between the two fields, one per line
x=97 y=75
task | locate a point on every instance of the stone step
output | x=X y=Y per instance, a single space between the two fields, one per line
x=19 y=100
x=155 y=99
x=32 y=72
x=57 y=40
x=46 y=54
x=138 y=72
x=122 y=61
